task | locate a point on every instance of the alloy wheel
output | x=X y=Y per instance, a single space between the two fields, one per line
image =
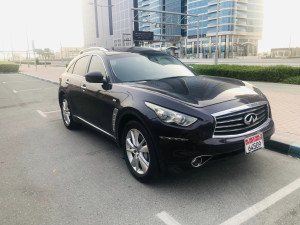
x=137 y=151
x=66 y=112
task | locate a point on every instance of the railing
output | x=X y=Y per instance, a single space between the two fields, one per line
x=211 y=18
x=241 y=23
x=240 y=15
x=242 y=8
x=242 y=1
x=212 y=10
x=212 y=3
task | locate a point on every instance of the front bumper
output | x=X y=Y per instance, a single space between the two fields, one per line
x=182 y=146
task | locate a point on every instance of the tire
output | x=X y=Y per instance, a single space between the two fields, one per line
x=67 y=115
x=140 y=155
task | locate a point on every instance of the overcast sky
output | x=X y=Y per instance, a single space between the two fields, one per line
x=54 y=22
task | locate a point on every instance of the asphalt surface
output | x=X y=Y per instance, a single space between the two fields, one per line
x=50 y=175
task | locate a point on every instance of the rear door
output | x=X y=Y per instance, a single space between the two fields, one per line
x=73 y=81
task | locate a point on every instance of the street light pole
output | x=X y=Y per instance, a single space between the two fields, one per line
x=201 y=52
x=131 y=27
x=217 y=34
x=198 y=37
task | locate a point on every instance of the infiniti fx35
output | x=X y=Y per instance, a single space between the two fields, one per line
x=159 y=112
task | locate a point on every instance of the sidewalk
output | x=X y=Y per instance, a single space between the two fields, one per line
x=284 y=100
x=49 y=72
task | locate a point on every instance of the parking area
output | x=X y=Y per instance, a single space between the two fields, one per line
x=50 y=175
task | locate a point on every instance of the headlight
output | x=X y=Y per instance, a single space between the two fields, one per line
x=170 y=116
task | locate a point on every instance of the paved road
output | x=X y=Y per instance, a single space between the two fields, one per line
x=50 y=175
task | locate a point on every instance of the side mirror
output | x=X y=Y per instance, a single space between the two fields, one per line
x=94 y=77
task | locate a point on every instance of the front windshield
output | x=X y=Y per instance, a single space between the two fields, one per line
x=135 y=67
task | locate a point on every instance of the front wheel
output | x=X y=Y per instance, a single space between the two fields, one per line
x=139 y=152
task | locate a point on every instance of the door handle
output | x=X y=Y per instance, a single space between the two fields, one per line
x=83 y=86
x=67 y=81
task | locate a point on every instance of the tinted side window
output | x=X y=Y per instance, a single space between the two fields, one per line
x=96 y=65
x=80 y=66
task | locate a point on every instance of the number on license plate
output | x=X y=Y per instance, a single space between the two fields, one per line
x=254 y=143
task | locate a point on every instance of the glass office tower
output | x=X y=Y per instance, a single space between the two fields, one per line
x=161 y=23
x=121 y=10
x=240 y=27
x=157 y=29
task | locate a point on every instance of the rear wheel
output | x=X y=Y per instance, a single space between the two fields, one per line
x=67 y=114
x=139 y=152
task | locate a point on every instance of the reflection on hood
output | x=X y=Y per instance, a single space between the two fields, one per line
x=200 y=89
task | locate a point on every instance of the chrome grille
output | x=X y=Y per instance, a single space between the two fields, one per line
x=232 y=123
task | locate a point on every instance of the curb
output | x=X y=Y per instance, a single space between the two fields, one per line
x=291 y=149
x=39 y=78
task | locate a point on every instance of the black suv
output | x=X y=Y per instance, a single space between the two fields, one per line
x=159 y=111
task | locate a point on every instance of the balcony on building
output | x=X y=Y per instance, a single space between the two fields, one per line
x=212 y=17
x=212 y=9
x=213 y=2
x=212 y=24
x=243 y=1
x=240 y=23
x=241 y=15
x=240 y=29
x=242 y=8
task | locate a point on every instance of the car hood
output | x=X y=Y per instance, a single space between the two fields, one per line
x=201 y=91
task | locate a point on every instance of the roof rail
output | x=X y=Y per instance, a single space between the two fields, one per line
x=93 y=49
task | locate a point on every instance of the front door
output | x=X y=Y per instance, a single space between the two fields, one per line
x=98 y=104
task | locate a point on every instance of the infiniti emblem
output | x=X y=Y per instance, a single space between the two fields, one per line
x=250 y=118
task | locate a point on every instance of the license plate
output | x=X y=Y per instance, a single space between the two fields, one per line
x=254 y=143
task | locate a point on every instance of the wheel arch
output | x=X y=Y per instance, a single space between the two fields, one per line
x=131 y=114
x=60 y=94
x=125 y=116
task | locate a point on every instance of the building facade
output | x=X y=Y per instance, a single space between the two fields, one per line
x=240 y=27
x=97 y=23
x=285 y=52
x=121 y=22
x=107 y=24
x=157 y=27
x=161 y=24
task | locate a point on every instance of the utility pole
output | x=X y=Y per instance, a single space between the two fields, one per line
x=198 y=37
x=61 y=53
x=33 y=48
x=28 y=51
x=131 y=27
x=217 y=34
x=201 y=37
x=290 y=44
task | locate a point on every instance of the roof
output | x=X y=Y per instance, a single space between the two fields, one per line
x=121 y=50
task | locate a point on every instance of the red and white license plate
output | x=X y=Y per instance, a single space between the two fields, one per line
x=254 y=143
